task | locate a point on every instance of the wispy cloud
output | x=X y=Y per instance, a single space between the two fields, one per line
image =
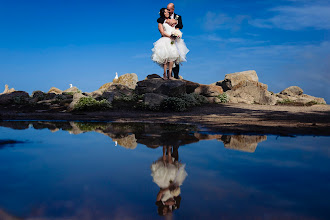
x=296 y=18
x=214 y=21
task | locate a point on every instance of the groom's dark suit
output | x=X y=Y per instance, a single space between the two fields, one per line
x=161 y=20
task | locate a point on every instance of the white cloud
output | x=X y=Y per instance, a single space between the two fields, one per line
x=297 y=18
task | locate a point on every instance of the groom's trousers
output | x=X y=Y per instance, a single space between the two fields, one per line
x=175 y=71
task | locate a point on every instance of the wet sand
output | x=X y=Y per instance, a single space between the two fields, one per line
x=222 y=118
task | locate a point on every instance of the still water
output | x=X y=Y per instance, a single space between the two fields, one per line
x=75 y=170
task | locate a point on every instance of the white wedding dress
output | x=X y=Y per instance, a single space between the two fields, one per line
x=164 y=51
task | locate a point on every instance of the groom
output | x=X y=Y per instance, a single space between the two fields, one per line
x=175 y=20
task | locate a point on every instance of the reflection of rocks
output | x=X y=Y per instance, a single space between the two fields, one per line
x=17 y=125
x=75 y=129
x=128 y=135
x=128 y=142
x=201 y=136
x=245 y=143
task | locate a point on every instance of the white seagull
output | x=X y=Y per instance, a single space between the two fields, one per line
x=116 y=76
x=70 y=85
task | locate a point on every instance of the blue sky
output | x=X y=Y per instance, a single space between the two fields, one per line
x=49 y=43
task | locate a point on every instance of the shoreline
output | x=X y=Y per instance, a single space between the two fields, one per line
x=220 y=118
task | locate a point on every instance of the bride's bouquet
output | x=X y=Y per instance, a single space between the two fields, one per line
x=176 y=34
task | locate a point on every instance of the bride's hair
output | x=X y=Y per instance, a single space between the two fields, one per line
x=161 y=12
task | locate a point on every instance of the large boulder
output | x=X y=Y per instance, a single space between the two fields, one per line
x=154 y=100
x=160 y=86
x=292 y=91
x=128 y=79
x=17 y=97
x=234 y=79
x=55 y=90
x=251 y=92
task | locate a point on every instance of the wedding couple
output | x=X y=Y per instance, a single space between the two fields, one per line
x=170 y=50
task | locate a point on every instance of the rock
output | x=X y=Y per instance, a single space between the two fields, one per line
x=106 y=86
x=55 y=90
x=233 y=79
x=75 y=99
x=251 y=92
x=190 y=86
x=7 y=90
x=72 y=90
x=154 y=100
x=128 y=79
x=299 y=100
x=209 y=90
x=246 y=143
x=153 y=76
x=160 y=86
x=16 y=96
x=292 y=91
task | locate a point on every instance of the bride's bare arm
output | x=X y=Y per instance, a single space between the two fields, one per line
x=161 y=30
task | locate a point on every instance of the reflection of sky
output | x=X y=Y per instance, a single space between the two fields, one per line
x=58 y=174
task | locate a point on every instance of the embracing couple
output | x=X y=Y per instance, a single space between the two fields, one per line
x=170 y=50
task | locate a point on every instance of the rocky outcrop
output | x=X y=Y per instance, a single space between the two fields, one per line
x=129 y=79
x=7 y=90
x=244 y=143
x=251 y=92
x=294 y=95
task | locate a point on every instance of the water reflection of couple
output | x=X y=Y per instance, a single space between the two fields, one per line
x=168 y=173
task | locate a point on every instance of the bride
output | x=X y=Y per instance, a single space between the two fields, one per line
x=168 y=51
